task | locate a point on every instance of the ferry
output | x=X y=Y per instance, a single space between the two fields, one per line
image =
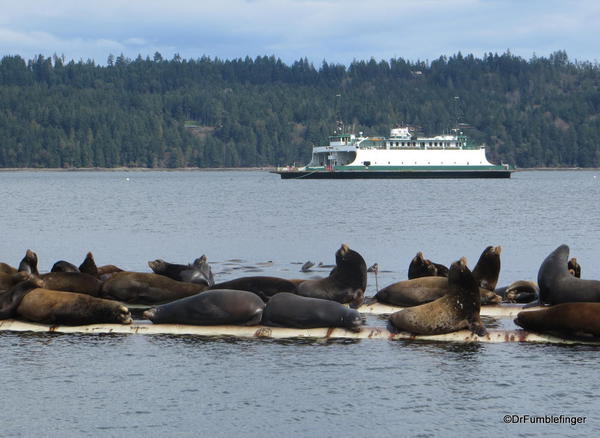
x=401 y=155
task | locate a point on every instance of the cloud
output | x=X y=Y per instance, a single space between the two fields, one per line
x=332 y=30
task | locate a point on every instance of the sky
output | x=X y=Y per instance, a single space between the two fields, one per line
x=335 y=31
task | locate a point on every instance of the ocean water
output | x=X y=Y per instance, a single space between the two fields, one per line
x=253 y=223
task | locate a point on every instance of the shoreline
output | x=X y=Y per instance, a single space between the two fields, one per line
x=217 y=169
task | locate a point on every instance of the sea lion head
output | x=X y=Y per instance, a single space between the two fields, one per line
x=121 y=314
x=157 y=265
x=150 y=314
x=574 y=268
x=88 y=266
x=203 y=270
x=352 y=320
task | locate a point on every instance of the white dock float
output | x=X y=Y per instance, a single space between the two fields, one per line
x=496 y=310
x=463 y=336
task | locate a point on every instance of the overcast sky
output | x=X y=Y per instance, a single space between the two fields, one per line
x=337 y=31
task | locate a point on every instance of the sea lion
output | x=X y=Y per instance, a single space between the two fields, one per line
x=264 y=287
x=456 y=310
x=146 y=288
x=290 y=310
x=557 y=285
x=213 y=307
x=7 y=281
x=521 y=291
x=64 y=266
x=11 y=298
x=88 y=266
x=487 y=269
x=574 y=267
x=198 y=272
x=7 y=269
x=346 y=282
x=422 y=267
x=73 y=282
x=107 y=271
x=423 y=290
x=29 y=263
x=57 y=307
x=574 y=319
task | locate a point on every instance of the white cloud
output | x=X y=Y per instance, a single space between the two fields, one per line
x=334 y=30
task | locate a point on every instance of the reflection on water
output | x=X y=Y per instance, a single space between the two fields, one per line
x=252 y=222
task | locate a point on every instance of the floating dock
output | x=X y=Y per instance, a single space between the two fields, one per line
x=496 y=310
x=462 y=336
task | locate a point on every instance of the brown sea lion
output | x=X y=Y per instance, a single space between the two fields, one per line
x=423 y=290
x=290 y=310
x=73 y=282
x=29 y=263
x=146 y=288
x=346 y=283
x=213 y=307
x=264 y=287
x=7 y=281
x=7 y=269
x=557 y=285
x=11 y=298
x=458 y=309
x=197 y=272
x=107 y=271
x=574 y=319
x=574 y=267
x=56 y=307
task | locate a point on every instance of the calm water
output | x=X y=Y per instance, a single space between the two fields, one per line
x=252 y=223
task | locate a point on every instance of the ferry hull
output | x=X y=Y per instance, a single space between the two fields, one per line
x=393 y=174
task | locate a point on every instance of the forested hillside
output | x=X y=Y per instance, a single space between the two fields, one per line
x=257 y=112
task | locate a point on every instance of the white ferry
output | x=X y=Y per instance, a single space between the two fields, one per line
x=401 y=155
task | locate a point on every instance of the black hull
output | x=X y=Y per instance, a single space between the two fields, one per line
x=395 y=174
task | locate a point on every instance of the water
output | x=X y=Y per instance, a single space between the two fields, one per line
x=252 y=223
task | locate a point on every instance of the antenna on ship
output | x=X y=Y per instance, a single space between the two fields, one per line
x=339 y=124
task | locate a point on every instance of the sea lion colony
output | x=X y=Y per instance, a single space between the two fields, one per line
x=437 y=299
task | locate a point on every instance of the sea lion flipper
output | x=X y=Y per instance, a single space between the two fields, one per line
x=477 y=327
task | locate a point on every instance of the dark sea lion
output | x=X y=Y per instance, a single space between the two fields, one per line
x=7 y=269
x=64 y=266
x=423 y=290
x=487 y=269
x=264 y=287
x=458 y=309
x=198 y=272
x=213 y=307
x=88 y=266
x=575 y=319
x=574 y=267
x=73 y=282
x=522 y=291
x=29 y=263
x=346 y=282
x=57 y=307
x=7 y=281
x=557 y=285
x=421 y=267
x=306 y=266
x=290 y=310
x=146 y=288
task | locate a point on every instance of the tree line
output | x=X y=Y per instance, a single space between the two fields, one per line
x=209 y=112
